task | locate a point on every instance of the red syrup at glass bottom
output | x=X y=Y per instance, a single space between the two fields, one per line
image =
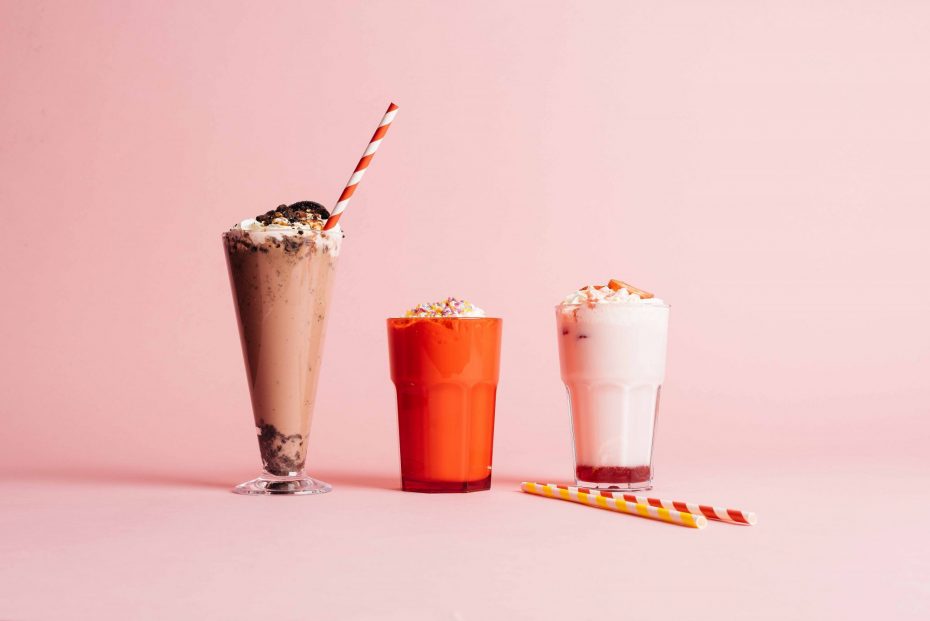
x=613 y=474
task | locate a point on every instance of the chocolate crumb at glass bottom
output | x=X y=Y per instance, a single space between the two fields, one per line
x=281 y=284
x=282 y=455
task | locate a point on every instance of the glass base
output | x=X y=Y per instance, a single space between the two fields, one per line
x=269 y=484
x=446 y=487
x=621 y=478
x=620 y=487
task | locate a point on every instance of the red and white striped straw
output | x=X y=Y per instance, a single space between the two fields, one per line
x=721 y=514
x=362 y=166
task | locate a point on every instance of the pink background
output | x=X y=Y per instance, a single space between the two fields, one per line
x=761 y=166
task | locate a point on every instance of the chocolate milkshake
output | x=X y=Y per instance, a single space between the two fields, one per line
x=281 y=267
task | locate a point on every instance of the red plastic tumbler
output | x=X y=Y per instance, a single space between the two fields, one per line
x=445 y=370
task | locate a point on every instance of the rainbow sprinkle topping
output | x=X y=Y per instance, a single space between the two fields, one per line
x=450 y=307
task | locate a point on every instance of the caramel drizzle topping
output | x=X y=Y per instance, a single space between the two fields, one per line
x=616 y=285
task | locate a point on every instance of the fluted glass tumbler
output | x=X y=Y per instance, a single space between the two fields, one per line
x=445 y=370
x=612 y=359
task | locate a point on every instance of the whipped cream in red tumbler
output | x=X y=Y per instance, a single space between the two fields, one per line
x=612 y=344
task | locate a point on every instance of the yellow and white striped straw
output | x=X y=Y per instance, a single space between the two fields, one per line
x=616 y=504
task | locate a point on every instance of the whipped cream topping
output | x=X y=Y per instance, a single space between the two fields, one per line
x=301 y=218
x=592 y=295
x=284 y=227
x=450 y=307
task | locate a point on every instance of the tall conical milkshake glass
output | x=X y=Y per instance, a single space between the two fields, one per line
x=281 y=273
x=281 y=267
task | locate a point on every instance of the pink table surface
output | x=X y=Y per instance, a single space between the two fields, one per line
x=102 y=546
x=761 y=166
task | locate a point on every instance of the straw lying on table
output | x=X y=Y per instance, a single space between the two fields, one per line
x=674 y=511
x=672 y=516
x=720 y=514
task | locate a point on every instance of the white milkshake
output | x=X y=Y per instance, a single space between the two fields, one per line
x=612 y=343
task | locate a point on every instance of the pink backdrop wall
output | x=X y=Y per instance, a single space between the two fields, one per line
x=761 y=166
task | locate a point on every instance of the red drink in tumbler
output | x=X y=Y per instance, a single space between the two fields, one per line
x=445 y=369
